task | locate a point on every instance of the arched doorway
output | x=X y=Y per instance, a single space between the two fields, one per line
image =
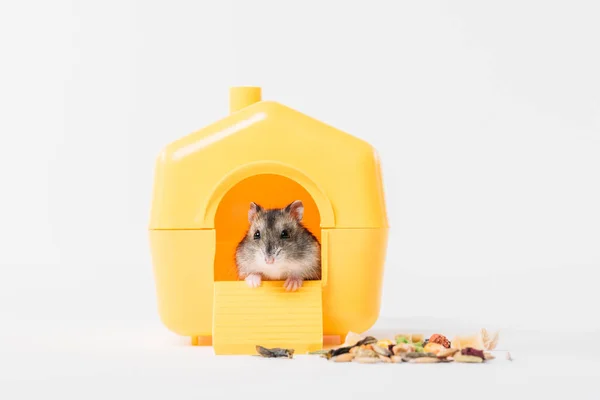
x=231 y=218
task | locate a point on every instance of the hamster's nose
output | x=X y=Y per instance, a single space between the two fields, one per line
x=269 y=259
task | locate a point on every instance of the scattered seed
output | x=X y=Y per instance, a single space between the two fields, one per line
x=425 y=360
x=446 y=353
x=367 y=340
x=365 y=353
x=275 y=352
x=418 y=355
x=469 y=351
x=461 y=342
x=489 y=341
x=346 y=357
x=385 y=343
x=403 y=348
x=366 y=360
x=458 y=357
x=433 y=347
x=402 y=338
x=417 y=338
x=336 y=352
x=383 y=351
x=440 y=339
x=351 y=339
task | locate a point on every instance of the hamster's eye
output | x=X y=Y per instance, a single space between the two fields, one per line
x=256 y=235
x=285 y=234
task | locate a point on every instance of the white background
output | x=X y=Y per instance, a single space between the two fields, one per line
x=486 y=116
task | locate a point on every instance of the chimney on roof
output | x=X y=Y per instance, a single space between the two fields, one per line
x=243 y=96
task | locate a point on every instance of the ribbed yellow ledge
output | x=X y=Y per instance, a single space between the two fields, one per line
x=268 y=316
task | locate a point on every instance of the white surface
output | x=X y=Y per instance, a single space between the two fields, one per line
x=486 y=116
x=95 y=362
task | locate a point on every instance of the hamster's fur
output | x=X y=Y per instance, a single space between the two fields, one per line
x=277 y=246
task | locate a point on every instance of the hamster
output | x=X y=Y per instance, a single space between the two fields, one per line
x=277 y=246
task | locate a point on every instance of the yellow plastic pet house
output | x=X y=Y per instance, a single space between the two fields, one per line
x=272 y=155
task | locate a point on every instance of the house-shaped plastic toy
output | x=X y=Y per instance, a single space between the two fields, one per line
x=267 y=153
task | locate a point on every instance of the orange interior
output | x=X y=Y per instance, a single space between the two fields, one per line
x=231 y=219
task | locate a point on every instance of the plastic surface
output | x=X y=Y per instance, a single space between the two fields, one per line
x=341 y=172
x=242 y=97
x=267 y=316
x=267 y=153
x=182 y=262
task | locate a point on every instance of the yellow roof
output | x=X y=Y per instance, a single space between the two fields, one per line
x=340 y=171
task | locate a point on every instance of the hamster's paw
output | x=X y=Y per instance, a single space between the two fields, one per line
x=253 y=280
x=292 y=284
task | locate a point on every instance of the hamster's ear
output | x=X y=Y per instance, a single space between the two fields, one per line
x=254 y=209
x=296 y=209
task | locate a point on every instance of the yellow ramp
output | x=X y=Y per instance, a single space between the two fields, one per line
x=269 y=316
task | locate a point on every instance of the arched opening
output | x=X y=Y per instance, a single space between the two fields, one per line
x=231 y=217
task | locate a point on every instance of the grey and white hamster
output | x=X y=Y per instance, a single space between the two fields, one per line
x=278 y=246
